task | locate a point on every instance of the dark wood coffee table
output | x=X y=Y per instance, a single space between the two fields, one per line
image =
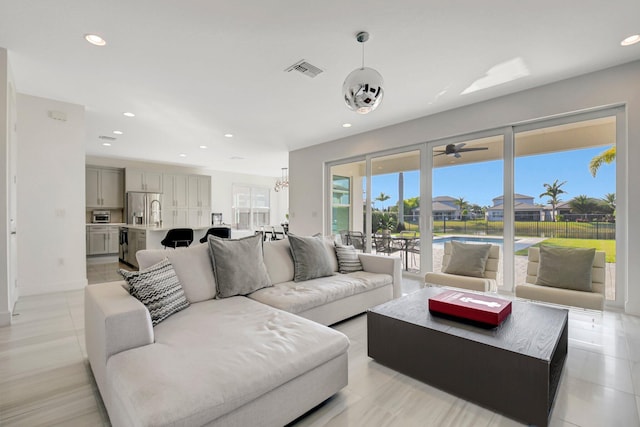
x=513 y=369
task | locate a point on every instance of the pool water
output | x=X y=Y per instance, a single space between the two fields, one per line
x=439 y=241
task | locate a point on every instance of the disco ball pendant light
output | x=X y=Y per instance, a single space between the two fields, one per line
x=362 y=88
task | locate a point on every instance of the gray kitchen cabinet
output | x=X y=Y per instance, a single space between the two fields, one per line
x=199 y=191
x=137 y=242
x=104 y=188
x=173 y=217
x=139 y=180
x=102 y=240
x=199 y=217
x=175 y=191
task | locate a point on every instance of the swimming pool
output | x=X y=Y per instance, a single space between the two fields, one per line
x=439 y=241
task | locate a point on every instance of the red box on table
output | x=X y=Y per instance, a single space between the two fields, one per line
x=477 y=307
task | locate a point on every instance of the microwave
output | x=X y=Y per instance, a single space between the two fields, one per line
x=100 y=217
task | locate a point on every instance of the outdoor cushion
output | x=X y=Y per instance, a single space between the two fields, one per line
x=467 y=259
x=238 y=265
x=568 y=268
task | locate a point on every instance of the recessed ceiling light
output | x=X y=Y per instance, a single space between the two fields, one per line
x=183 y=155
x=95 y=39
x=236 y=158
x=106 y=144
x=118 y=132
x=128 y=114
x=346 y=125
x=203 y=146
x=630 y=40
x=228 y=135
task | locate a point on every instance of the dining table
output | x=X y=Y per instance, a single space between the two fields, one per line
x=405 y=246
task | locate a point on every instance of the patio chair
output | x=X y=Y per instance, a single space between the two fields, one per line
x=486 y=283
x=356 y=239
x=593 y=300
x=383 y=245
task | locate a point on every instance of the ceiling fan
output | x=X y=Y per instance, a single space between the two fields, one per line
x=455 y=150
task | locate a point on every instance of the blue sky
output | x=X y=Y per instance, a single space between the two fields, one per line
x=479 y=183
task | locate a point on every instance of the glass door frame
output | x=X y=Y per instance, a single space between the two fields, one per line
x=508 y=132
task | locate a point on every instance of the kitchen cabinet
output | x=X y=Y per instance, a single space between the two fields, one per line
x=175 y=191
x=104 y=187
x=199 y=191
x=102 y=240
x=137 y=242
x=199 y=217
x=172 y=217
x=139 y=180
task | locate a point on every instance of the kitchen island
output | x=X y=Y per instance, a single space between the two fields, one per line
x=134 y=238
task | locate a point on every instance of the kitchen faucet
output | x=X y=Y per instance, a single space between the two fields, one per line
x=159 y=221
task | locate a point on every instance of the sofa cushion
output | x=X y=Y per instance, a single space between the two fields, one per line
x=215 y=357
x=348 y=259
x=568 y=268
x=278 y=260
x=310 y=258
x=296 y=297
x=158 y=288
x=238 y=265
x=192 y=265
x=467 y=259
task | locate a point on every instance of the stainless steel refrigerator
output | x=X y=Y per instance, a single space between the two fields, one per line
x=144 y=209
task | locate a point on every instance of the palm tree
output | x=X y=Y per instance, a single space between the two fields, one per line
x=462 y=204
x=553 y=191
x=382 y=197
x=608 y=156
x=583 y=204
x=610 y=200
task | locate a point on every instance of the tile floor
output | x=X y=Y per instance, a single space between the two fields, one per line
x=45 y=378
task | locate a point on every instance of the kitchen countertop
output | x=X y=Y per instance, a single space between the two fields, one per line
x=97 y=224
x=156 y=228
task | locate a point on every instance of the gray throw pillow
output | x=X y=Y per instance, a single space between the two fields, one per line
x=310 y=258
x=238 y=265
x=348 y=259
x=158 y=289
x=568 y=268
x=467 y=259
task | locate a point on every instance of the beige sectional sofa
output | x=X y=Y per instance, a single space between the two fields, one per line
x=260 y=360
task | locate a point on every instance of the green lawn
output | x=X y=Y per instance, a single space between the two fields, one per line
x=608 y=246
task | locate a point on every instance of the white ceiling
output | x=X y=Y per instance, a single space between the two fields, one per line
x=195 y=70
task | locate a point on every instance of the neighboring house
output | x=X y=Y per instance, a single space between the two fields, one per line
x=442 y=207
x=524 y=209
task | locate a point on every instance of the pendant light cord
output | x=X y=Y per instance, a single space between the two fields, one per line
x=363 y=55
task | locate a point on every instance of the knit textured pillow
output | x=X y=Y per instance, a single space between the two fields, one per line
x=348 y=260
x=158 y=289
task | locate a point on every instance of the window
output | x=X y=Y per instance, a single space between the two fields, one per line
x=251 y=207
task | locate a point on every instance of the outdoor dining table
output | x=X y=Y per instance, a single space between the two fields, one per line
x=405 y=245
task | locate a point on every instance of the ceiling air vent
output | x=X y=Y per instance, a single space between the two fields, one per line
x=108 y=138
x=305 y=68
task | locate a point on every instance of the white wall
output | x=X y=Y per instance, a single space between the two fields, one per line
x=51 y=197
x=618 y=85
x=221 y=184
x=5 y=295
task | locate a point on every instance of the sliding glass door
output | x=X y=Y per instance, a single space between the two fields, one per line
x=553 y=181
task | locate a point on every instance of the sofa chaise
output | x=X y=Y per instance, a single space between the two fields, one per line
x=262 y=360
